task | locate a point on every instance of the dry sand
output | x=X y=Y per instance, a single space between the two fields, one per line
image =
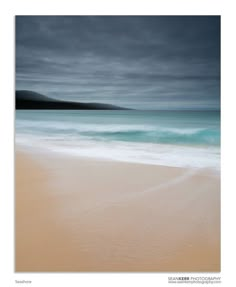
x=91 y=215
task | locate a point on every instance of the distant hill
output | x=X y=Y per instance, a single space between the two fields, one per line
x=29 y=100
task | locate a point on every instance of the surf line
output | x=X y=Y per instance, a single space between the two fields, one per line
x=172 y=182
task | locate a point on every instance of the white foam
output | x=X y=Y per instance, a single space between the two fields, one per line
x=104 y=127
x=146 y=153
x=83 y=127
x=182 y=131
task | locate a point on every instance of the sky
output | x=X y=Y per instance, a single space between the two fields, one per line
x=142 y=62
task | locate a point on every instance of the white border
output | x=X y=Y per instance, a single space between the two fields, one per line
x=8 y=10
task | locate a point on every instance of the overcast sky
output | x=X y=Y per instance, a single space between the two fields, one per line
x=142 y=62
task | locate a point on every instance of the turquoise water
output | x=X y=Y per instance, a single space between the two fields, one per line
x=175 y=138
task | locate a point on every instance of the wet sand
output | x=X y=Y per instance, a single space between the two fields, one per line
x=76 y=214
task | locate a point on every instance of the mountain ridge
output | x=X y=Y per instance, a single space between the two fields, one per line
x=30 y=100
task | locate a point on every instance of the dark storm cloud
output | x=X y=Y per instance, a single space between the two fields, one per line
x=143 y=62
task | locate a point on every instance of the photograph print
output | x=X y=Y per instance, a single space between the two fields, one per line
x=117 y=144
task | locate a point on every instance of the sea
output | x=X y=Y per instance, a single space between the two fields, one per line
x=168 y=138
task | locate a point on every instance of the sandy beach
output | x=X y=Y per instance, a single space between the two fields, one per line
x=78 y=214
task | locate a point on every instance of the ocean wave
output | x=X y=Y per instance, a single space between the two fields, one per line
x=145 y=153
x=173 y=139
x=109 y=128
x=160 y=135
x=133 y=133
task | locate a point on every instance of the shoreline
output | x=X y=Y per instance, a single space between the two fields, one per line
x=92 y=215
x=50 y=153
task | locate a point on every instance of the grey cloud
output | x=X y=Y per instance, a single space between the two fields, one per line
x=130 y=60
